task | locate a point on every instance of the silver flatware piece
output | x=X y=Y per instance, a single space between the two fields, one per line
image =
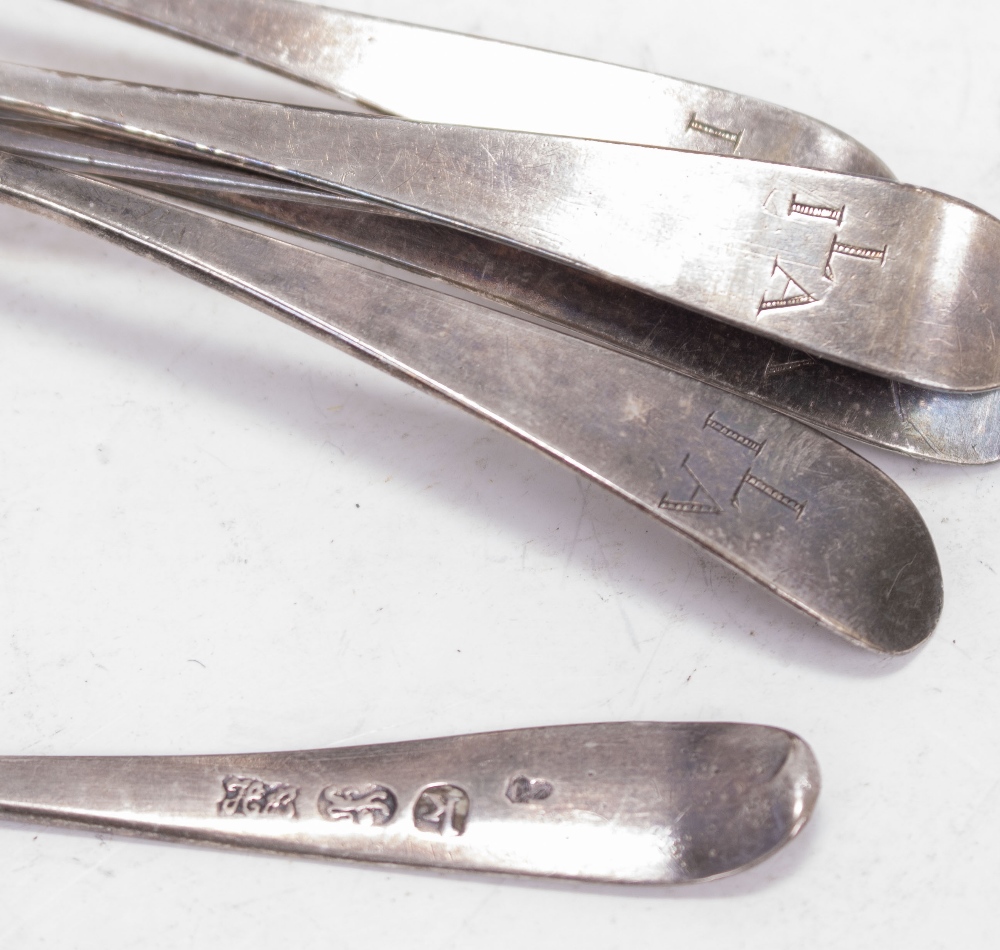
x=945 y=427
x=437 y=76
x=624 y=803
x=776 y=500
x=889 y=278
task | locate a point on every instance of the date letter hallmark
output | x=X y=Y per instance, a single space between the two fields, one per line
x=793 y=294
x=733 y=138
x=252 y=798
x=442 y=810
x=372 y=805
x=523 y=790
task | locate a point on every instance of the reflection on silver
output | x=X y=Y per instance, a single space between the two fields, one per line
x=803 y=516
x=409 y=71
x=712 y=233
x=944 y=427
x=651 y=803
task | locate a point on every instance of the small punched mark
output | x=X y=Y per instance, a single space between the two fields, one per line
x=817 y=211
x=712 y=423
x=733 y=138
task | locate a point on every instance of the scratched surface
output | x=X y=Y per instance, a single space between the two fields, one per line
x=213 y=542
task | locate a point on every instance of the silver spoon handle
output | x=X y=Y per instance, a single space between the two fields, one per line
x=781 y=503
x=943 y=427
x=436 y=76
x=888 y=278
x=650 y=803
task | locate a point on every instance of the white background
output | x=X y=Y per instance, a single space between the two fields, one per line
x=217 y=535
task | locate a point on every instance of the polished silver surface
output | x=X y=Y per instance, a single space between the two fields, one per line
x=435 y=76
x=959 y=428
x=627 y=803
x=782 y=503
x=889 y=278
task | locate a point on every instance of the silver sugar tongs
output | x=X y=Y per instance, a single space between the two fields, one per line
x=939 y=426
x=625 y=803
x=779 y=502
x=889 y=278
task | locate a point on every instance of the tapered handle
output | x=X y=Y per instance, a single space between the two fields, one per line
x=620 y=802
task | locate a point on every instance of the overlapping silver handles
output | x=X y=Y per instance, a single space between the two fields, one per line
x=435 y=76
x=779 y=502
x=889 y=278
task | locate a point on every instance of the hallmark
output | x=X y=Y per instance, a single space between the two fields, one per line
x=443 y=810
x=523 y=790
x=733 y=138
x=712 y=423
x=372 y=805
x=252 y=798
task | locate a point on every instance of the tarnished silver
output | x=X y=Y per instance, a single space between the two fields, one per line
x=436 y=76
x=945 y=427
x=624 y=803
x=779 y=502
x=889 y=278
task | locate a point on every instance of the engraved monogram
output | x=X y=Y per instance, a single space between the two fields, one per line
x=523 y=790
x=699 y=501
x=252 y=798
x=794 y=362
x=791 y=290
x=817 y=211
x=858 y=253
x=733 y=138
x=442 y=809
x=712 y=423
x=770 y=491
x=371 y=805
x=793 y=293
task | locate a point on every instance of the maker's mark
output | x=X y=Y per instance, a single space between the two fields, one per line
x=253 y=798
x=372 y=805
x=442 y=810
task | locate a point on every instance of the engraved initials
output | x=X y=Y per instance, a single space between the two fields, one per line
x=371 y=805
x=701 y=502
x=794 y=294
x=443 y=810
x=733 y=138
x=789 y=366
x=712 y=423
x=817 y=211
x=252 y=798
x=693 y=505
x=523 y=790
x=770 y=491
x=859 y=253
